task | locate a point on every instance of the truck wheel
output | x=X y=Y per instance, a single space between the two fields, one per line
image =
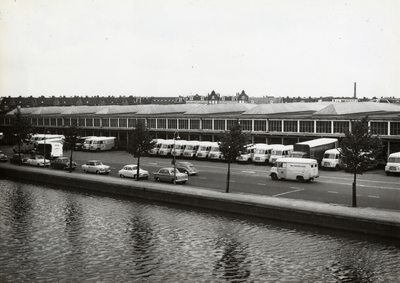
x=121 y=175
x=388 y=173
x=97 y=172
x=98 y=150
x=337 y=167
x=300 y=179
x=274 y=177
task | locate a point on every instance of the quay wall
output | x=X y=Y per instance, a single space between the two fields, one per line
x=365 y=220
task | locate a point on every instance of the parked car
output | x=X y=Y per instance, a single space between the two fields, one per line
x=167 y=175
x=19 y=159
x=96 y=166
x=130 y=171
x=38 y=160
x=3 y=157
x=62 y=163
x=186 y=167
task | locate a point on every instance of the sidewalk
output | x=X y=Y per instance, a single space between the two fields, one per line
x=364 y=220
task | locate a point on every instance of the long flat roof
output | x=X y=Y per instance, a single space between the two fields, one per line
x=314 y=110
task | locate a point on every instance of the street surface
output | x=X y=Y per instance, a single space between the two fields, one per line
x=374 y=188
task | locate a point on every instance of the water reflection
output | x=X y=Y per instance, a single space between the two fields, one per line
x=52 y=235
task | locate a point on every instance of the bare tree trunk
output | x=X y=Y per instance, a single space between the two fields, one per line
x=70 y=160
x=138 y=168
x=354 y=202
x=228 y=176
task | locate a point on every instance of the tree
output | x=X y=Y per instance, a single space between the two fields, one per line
x=231 y=145
x=359 y=148
x=71 y=134
x=140 y=142
x=21 y=130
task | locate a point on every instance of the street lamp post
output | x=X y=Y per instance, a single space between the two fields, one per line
x=175 y=138
x=44 y=148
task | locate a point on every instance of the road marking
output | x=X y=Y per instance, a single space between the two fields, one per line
x=203 y=178
x=153 y=163
x=251 y=172
x=373 y=196
x=288 y=192
x=332 y=192
x=261 y=184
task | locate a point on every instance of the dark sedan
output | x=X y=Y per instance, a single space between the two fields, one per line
x=19 y=159
x=62 y=163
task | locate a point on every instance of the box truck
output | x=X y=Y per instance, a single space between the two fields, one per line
x=314 y=149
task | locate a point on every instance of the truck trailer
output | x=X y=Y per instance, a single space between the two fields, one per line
x=314 y=149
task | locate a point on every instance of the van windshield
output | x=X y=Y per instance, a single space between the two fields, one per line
x=260 y=151
x=394 y=159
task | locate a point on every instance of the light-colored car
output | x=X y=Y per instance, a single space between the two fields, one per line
x=3 y=157
x=96 y=166
x=130 y=171
x=38 y=160
x=167 y=175
x=186 y=167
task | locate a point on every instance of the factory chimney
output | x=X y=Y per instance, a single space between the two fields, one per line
x=355 y=93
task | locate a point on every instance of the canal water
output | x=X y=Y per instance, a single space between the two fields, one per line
x=53 y=234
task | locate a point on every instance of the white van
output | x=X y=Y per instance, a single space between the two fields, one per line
x=393 y=164
x=332 y=159
x=103 y=143
x=280 y=152
x=166 y=148
x=262 y=153
x=179 y=148
x=50 y=148
x=215 y=153
x=191 y=149
x=156 y=148
x=247 y=155
x=300 y=169
x=204 y=149
x=87 y=143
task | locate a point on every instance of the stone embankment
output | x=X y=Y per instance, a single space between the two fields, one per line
x=364 y=220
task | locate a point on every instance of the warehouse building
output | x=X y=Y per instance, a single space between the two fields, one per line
x=282 y=123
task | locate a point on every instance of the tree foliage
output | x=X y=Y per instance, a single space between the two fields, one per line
x=71 y=138
x=20 y=131
x=231 y=145
x=359 y=150
x=140 y=143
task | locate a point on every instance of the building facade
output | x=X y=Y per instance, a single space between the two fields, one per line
x=267 y=123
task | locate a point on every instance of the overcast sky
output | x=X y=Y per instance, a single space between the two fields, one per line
x=181 y=47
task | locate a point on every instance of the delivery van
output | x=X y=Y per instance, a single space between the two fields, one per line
x=156 y=148
x=191 y=149
x=103 y=143
x=393 y=164
x=204 y=149
x=180 y=145
x=280 y=152
x=50 y=149
x=332 y=159
x=290 y=168
x=166 y=147
x=262 y=153
x=215 y=153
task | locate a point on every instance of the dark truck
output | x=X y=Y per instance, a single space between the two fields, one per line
x=314 y=149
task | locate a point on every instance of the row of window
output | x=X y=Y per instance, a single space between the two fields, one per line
x=287 y=126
